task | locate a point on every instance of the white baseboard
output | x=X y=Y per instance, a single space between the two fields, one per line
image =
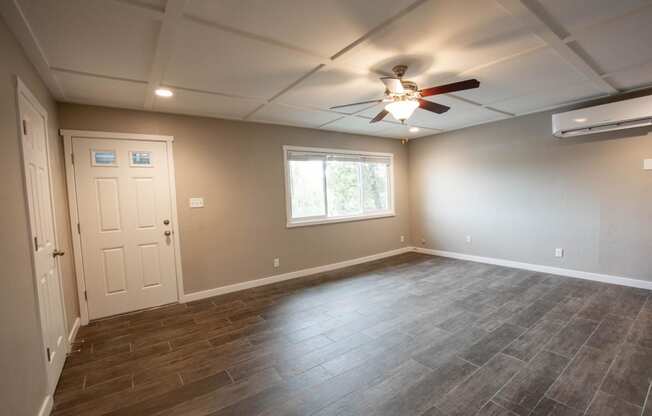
x=73 y=331
x=46 y=407
x=604 y=278
x=189 y=297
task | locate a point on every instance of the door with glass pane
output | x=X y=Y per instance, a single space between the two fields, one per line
x=124 y=203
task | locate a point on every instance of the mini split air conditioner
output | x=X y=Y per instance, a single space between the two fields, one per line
x=626 y=114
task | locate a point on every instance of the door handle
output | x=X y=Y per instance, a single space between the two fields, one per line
x=167 y=233
x=57 y=253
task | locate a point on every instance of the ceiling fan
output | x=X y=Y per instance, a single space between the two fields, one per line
x=403 y=97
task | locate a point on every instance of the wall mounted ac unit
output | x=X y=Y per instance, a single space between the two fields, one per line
x=626 y=114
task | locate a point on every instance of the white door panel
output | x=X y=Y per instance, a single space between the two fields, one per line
x=41 y=218
x=123 y=200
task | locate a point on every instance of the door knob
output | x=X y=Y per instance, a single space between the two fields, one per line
x=166 y=222
x=57 y=253
x=167 y=233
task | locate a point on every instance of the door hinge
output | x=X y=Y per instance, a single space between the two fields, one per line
x=78 y=228
x=49 y=355
x=72 y=158
x=85 y=296
x=35 y=243
x=25 y=127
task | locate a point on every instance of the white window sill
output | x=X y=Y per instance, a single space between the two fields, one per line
x=306 y=223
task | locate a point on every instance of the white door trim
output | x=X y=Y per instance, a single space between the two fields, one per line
x=68 y=135
x=21 y=89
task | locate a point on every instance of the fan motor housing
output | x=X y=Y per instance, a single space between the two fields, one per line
x=409 y=85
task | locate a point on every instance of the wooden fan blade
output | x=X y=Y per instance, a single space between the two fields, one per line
x=455 y=86
x=354 y=104
x=379 y=116
x=434 y=107
x=393 y=85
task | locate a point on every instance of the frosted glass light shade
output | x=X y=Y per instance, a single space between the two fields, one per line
x=402 y=110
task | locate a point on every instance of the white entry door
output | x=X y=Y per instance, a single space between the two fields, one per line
x=125 y=218
x=41 y=219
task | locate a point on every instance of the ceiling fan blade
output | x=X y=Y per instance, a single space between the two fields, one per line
x=455 y=86
x=434 y=107
x=379 y=116
x=393 y=85
x=354 y=104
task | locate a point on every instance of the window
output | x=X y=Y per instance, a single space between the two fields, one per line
x=141 y=159
x=103 y=158
x=326 y=185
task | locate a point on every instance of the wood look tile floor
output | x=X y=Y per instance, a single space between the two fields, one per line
x=408 y=335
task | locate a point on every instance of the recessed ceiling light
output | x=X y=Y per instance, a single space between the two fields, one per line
x=580 y=120
x=164 y=92
x=414 y=129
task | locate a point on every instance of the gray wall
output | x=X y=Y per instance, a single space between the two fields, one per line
x=238 y=168
x=520 y=193
x=22 y=363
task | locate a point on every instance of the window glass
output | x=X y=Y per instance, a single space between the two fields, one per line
x=375 y=180
x=343 y=187
x=307 y=188
x=104 y=158
x=140 y=158
x=336 y=186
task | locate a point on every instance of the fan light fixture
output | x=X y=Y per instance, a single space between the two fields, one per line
x=403 y=109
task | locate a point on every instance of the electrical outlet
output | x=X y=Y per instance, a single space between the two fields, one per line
x=469 y=240
x=647 y=164
x=423 y=241
x=559 y=252
x=402 y=239
x=277 y=262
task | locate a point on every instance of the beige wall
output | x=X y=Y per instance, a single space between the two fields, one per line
x=23 y=384
x=237 y=168
x=520 y=193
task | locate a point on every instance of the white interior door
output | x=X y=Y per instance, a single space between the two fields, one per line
x=41 y=218
x=124 y=207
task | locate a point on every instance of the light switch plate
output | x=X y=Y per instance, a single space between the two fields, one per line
x=196 y=202
x=647 y=164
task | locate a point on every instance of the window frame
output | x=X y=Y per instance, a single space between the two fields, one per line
x=324 y=219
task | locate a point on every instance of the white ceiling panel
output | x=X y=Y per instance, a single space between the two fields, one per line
x=332 y=86
x=403 y=132
x=322 y=27
x=553 y=97
x=358 y=125
x=210 y=59
x=633 y=78
x=440 y=39
x=575 y=15
x=540 y=71
x=621 y=43
x=282 y=114
x=102 y=91
x=98 y=37
x=191 y=102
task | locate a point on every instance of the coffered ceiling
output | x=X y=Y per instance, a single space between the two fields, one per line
x=288 y=61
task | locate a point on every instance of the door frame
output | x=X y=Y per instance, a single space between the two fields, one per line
x=68 y=136
x=22 y=90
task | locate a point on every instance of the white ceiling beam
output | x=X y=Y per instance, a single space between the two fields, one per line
x=15 y=18
x=537 y=20
x=165 y=43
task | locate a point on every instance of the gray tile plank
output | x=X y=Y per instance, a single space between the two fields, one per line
x=474 y=392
